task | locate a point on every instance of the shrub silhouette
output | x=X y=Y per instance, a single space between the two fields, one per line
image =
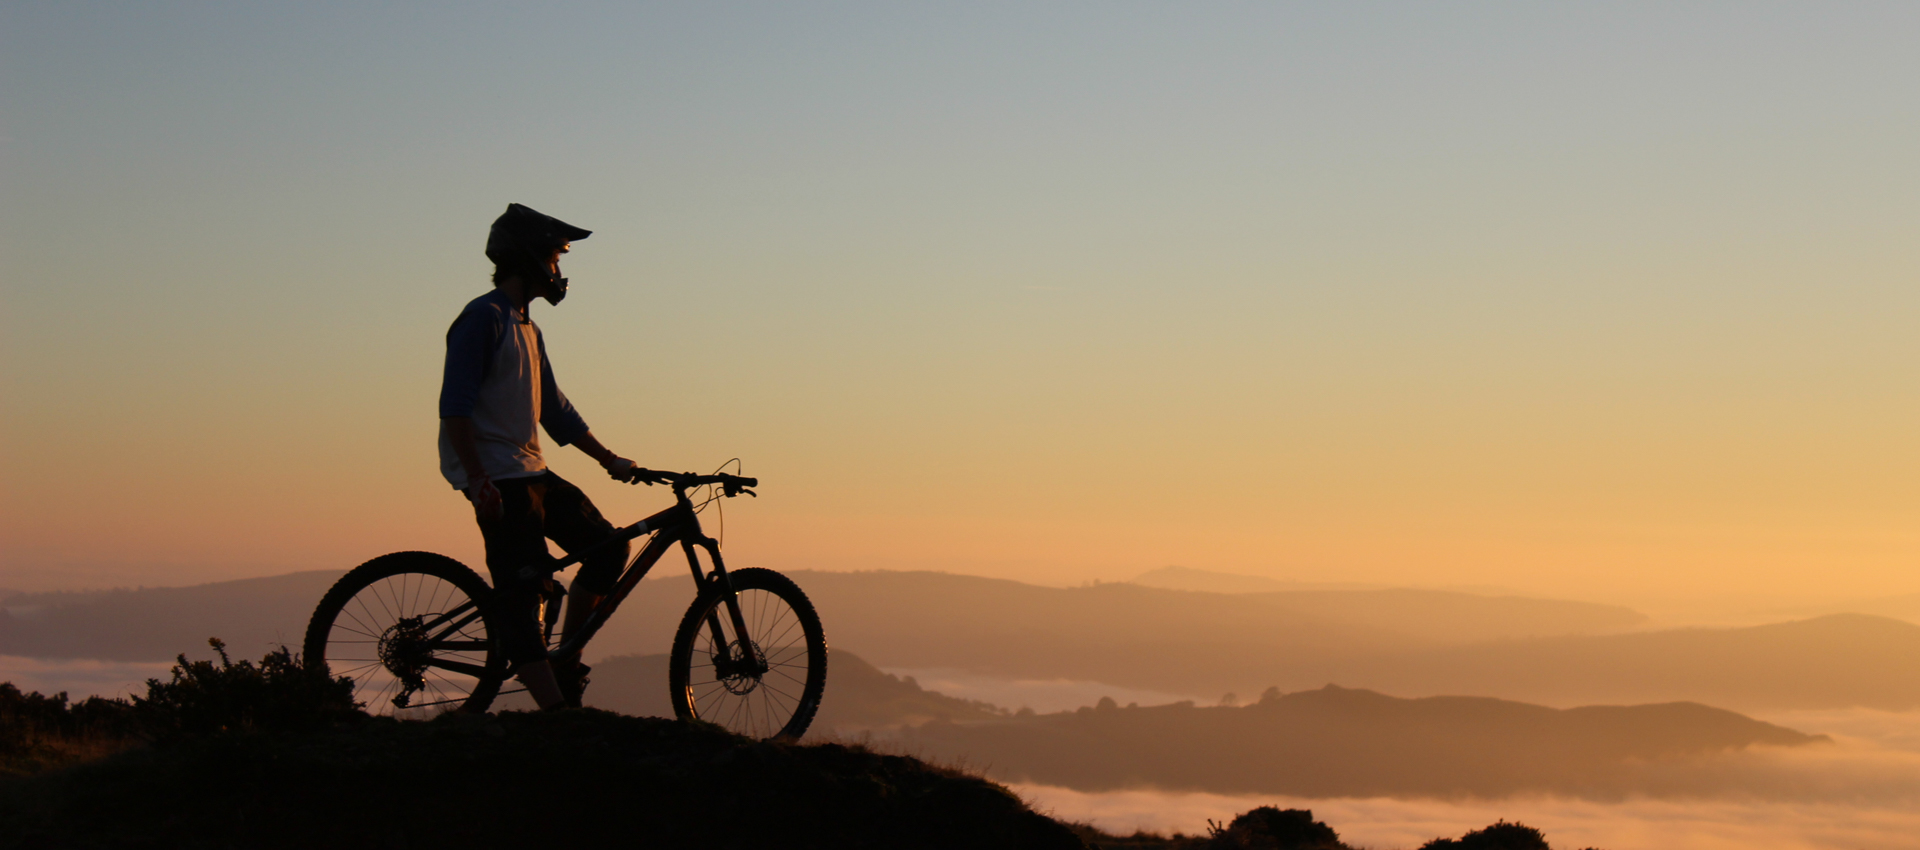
x=281 y=694
x=1499 y=836
x=1268 y=828
x=37 y=732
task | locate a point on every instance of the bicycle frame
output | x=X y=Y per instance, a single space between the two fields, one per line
x=677 y=524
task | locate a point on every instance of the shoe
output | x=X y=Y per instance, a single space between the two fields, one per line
x=573 y=680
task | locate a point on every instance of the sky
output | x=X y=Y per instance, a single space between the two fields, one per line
x=1596 y=300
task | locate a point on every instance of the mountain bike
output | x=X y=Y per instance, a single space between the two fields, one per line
x=415 y=630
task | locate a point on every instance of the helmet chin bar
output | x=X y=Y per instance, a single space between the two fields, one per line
x=555 y=290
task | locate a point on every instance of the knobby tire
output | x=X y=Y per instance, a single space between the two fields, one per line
x=783 y=629
x=368 y=614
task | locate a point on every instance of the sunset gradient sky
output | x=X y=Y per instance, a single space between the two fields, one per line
x=1605 y=300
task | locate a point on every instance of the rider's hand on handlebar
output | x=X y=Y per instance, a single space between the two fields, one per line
x=621 y=469
x=486 y=500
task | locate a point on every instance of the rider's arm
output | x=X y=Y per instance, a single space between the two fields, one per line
x=591 y=446
x=618 y=467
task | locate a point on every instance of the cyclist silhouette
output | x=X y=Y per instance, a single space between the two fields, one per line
x=497 y=391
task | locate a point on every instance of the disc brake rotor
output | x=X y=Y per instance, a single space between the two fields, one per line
x=740 y=670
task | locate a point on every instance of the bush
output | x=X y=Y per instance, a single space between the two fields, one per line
x=40 y=731
x=203 y=698
x=281 y=694
x=1500 y=836
x=1268 y=828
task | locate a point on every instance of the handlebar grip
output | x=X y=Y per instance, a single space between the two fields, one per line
x=695 y=479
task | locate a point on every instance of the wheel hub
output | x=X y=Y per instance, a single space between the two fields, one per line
x=739 y=669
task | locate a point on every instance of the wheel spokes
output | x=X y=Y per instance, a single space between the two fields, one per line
x=752 y=702
x=412 y=633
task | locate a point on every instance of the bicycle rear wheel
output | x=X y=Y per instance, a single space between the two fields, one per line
x=411 y=629
x=766 y=684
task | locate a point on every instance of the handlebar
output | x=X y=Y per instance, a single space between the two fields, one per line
x=731 y=485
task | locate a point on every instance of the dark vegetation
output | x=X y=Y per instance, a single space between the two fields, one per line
x=1500 y=836
x=1397 y=641
x=516 y=779
x=202 y=698
x=1268 y=828
x=1264 y=828
x=1289 y=829
x=38 y=732
x=275 y=754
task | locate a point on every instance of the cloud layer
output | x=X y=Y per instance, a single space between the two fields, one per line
x=1861 y=793
x=1381 y=823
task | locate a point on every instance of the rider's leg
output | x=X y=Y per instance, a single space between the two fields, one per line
x=580 y=603
x=574 y=523
x=514 y=542
x=541 y=685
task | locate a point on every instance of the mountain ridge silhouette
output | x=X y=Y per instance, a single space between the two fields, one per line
x=1129 y=636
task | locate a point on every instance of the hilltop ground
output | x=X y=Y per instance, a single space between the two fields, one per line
x=515 y=779
x=566 y=778
x=234 y=755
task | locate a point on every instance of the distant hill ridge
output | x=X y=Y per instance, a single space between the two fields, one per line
x=1214 y=581
x=860 y=697
x=1341 y=742
x=1210 y=581
x=1332 y=741
x=1837 y=660
x=155 y=623
x=142 y=625
x=1408 y=642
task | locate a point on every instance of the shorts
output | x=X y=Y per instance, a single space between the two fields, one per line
x=534 y=509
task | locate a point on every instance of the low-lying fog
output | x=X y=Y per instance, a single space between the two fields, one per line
x=1041 y=695
x=80 y=678
x=1384 y=824
x=1868 y=785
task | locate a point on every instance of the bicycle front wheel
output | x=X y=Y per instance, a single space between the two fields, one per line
x=765 y=684
x=411 y=630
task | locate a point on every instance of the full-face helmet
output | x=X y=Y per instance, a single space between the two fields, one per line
x=522 y=241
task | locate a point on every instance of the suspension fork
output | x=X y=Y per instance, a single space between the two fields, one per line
x=719 y=581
